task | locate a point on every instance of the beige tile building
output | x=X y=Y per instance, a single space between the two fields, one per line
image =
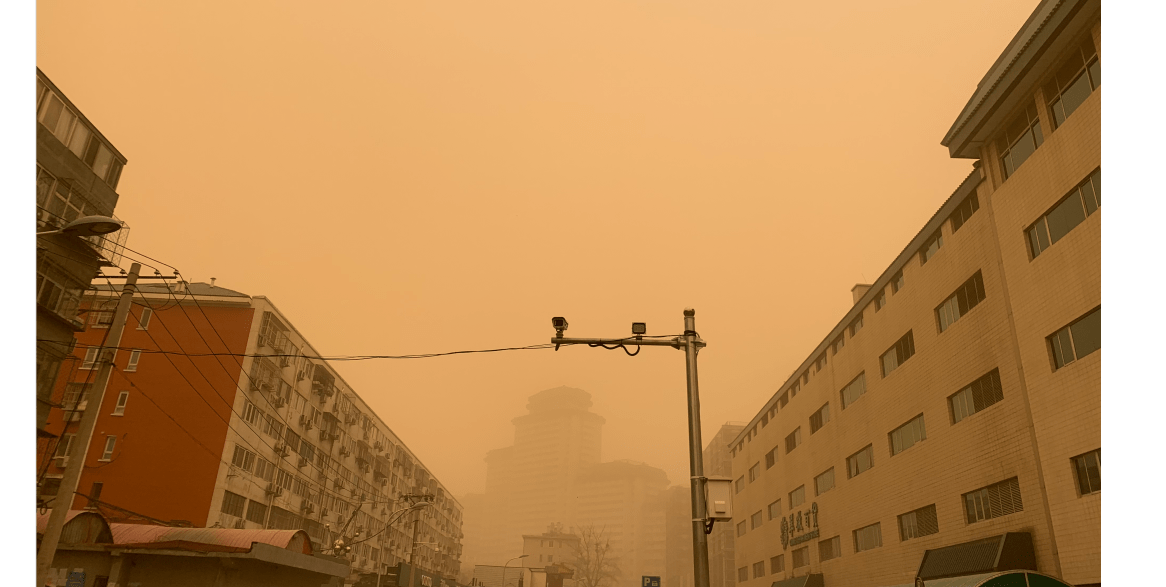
x=956 y=406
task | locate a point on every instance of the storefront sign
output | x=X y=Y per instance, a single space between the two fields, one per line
x=803 y=523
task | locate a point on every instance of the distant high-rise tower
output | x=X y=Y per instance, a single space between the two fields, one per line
x=531 y=483
x=625 y=500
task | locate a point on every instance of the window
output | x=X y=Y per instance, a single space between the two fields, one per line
x=272 y=426
x=251 y=414
x=820 y=362
x=740 y=483
x=829 y=548
x=793 y=389
x=1070 y=211
x=1073 y=82
x=978 y=396
x=993 y=501
x=898 y=354
x=754 y=472
x=801 y=557
x=1088 y=468
x=243 y=458
x=65 y=446
x=1076 y=340
x=880 y=300
x=1019 y=140
x=838 y=343
x=755 y=520
x=853 y=390
x=824 y=482
x=283 y=479
x=784 y=399
x=110 y=442
x=905 y=436
x=57 y=298
x=777 y=564
x=860 y=461
x=742 y=574
x=759 y=569
x=793 y=440
x=868 y=537
x=920 y=522
x=897 y=282
x=855 y=325
x=100 y=318
x=741 y=528
x=820 y=418
x=931 y=247
x=144 y=320
x=119 y=409
x=771 y=458
x=76 y=396
x=90 y=360
x=966 y=296
x=775 y=510
x=264 y=469
x=963 y=212
x=233 y=504
x=797 y=497
x=764 y=420
x=135 y=356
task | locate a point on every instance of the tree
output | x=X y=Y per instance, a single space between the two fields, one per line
x=594 y=563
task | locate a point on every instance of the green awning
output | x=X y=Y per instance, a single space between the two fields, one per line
x=812 y=580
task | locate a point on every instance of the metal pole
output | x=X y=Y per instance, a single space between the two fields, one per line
x=700 y=551
x=413 y=547
x=64 y=500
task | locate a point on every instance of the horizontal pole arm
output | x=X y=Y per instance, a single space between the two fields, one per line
x=674 y=343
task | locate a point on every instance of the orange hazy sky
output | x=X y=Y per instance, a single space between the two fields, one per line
x=416 y=177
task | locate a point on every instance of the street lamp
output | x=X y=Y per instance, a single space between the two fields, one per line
x=507 y=565
x=691 y=343
x=87 y=226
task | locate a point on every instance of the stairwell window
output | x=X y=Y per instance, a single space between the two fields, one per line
x=742 y=574
x=1077 y=77
x=868 y=537
x=793 y=440
x=740 y=483
x=820 y=418
x=110 y=443
x=993 y=501
x=898 y=354
x=771 y=458
x=1076 y=340
x=920 y=522
x=135 y=356
x=1067 y=214
x=741 y=528
x=1019 y=140
x=119 y=409
x=967 y=296
x=754 y=472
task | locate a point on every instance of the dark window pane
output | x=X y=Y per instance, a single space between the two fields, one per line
x=1037 y=134
x=1068 y=72
x=1096 y=180
x=1023 y=149
x=1065 y=217
x=1075 y=94
x=1062 y=348
x=1087 y=197
x=1087 y=334
x=1095 y=73
x=1058 y=113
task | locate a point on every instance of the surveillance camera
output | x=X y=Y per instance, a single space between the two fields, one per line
x=559 y=323
x=639 y=328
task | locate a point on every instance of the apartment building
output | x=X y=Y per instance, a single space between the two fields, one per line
x=220 y=413
x=77 y=172
x=955 y=409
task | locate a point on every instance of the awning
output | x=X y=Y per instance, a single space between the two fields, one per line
x=1006 y=552
x=812 y=580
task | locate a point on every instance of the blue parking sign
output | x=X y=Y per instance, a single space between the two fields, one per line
x=650 y=581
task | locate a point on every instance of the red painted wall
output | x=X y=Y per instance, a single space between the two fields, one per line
x=157 y=468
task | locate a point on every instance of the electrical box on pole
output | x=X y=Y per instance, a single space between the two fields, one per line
x=719 y=498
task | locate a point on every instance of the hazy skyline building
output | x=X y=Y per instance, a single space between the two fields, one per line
x=626 y=501
x=955 y=408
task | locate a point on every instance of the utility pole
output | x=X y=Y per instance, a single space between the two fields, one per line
x=64 y=500
x=691 y=343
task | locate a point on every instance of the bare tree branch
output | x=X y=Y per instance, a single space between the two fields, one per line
x=595 y=564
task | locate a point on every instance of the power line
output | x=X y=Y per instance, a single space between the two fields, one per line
x=335 y=357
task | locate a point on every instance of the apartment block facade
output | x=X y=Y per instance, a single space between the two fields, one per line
x=77 y=173
x=957 y=404
x=220 y=413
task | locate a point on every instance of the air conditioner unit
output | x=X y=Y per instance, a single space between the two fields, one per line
x=240 y=524
x=323 y=475
x=273 y=489
x=324 y=512
x=337 y=484
x=285 y=361
x=377 y=446
x=278 y=402
x=306 y=507
x=282 y=450
x=366 y=434
x=301 y=462
x=384 y=481
x=344 y=451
